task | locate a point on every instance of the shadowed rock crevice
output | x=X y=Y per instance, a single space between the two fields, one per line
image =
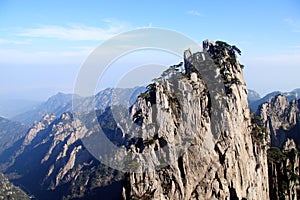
x=214 y=132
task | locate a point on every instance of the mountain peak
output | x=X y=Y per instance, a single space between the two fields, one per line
x=253 y=95
x=60 y=97
x=206 y=114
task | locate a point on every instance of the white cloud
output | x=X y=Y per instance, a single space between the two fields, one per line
x=89 y=48
x=292 y=59
x=194 y=13
x=12 y=56
x=74 y=32
x=150 y=25
x=4 y=41
x=295 y=25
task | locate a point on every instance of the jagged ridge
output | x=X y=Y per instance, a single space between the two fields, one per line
x=220 y=155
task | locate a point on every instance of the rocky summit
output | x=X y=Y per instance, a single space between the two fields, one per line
x=223 y=159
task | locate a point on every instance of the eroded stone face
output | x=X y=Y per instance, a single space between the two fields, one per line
x=281 y=118
x=229 y=166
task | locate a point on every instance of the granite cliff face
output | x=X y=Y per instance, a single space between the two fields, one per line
x=284 y=172
x=221 y=157
x=281 y=119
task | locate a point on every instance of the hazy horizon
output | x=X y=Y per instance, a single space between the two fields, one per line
x=44 y=44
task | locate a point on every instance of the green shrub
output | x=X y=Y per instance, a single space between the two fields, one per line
x=275 y=155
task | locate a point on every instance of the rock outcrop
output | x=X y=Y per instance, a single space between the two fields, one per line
x=281 y=118
x=284 y=173
x=255 y=101
x=10 y=192
x=202 y=135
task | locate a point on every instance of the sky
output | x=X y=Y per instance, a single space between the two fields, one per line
x=43 y=44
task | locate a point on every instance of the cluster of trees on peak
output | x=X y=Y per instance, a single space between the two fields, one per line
x=232 y=49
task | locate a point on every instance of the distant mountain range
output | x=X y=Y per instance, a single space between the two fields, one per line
x=255 y=100
x=51 y=162
x=41 y=145
x=31 y=111
x=28 y=112
x=56 y=104
x=61 y=103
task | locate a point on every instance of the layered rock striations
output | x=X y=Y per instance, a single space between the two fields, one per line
x=281 y=118
x=204 y=111
x=283 y=166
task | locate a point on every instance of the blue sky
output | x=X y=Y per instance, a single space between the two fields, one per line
x=44 y=43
